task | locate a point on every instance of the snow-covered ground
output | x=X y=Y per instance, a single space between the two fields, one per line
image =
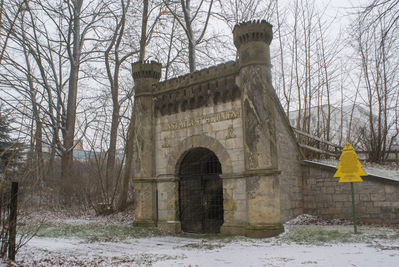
x=300 y=245
x=178 y=251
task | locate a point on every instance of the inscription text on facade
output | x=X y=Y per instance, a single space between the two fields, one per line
x=196 y=121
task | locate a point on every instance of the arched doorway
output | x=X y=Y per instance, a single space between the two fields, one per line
x=200 y=192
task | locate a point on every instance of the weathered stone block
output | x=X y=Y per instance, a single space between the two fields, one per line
x=364 y=197
x=171 y=226
x=144 y=202
x=261 y=231
x=341 y=197
x=390 y=189
x=232 y=229
x=373 y=210
x=309 y=199
x=263 y=200
x=229 y=205
x=377 y=197
x=391 y=197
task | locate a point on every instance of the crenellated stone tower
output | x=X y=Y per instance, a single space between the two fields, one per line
x=145 y=74
x=252 y=40
x=214 y=152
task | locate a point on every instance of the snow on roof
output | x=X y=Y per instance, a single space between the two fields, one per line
x=389 y=172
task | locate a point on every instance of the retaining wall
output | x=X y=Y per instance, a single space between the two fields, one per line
x=377 y=198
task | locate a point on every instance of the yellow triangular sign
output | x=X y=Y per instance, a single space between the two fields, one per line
x=349 y=168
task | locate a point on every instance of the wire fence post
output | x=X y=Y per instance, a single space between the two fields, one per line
x=13 y=221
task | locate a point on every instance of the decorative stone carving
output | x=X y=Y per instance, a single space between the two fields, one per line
x=230 y=133
x=165 y=143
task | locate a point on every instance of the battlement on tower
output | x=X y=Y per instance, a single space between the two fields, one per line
x=215 y=72
x=256 y=30
x=146 y=69
x=195 y=90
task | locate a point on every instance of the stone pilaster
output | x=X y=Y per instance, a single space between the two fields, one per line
x=252 y=40
x=234 y=205
x=168 y=197
x=145 y=74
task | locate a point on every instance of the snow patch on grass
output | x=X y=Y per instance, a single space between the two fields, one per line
x=64 y=243
x=92 y=232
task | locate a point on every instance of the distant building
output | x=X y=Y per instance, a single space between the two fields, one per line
x=79 y=153
x=340 y=122
x=78 y=144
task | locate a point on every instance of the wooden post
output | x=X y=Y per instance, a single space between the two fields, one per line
x=13 y=221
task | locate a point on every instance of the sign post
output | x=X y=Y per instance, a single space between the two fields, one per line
x=354 y=208
x=349 y=170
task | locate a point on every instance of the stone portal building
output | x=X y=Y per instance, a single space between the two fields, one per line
x=214 y=151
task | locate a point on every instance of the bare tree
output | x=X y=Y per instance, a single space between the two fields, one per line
x=388 y=9
x=186 y=19
x=282 y=77
x=77 y=33
x=56 y=37
x=26 y=82
x=144 y=40
x=376 y=39
x=169 y=46
x=10 y=18
x=236 y=11
x=113 y=69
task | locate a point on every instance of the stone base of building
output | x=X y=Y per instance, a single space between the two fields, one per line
x=257 y=231
x=144 y=223
x=170 y=226
x=260 y=231
x=232 y=230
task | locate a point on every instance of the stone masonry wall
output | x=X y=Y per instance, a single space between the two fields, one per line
x=221 y=122
x=377 y=199
x=289 y=163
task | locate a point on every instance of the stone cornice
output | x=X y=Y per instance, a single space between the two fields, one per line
x=261 y=172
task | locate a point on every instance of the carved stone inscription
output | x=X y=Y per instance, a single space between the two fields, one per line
x=196 y=121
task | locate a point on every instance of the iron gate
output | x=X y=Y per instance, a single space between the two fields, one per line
x=201 y=192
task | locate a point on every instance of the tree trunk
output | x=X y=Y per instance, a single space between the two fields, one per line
x=143 y=38
x=128 y=173
x=111 y=155
x=74 y=57
x=190 y=35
